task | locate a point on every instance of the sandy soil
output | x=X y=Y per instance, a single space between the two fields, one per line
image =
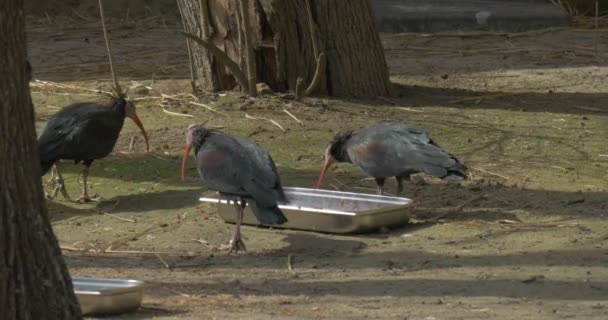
x=527 y=113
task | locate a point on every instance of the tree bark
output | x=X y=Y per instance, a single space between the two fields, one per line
x=355 y=65
x=34 y=281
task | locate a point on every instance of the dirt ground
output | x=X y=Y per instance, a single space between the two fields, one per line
x=527 y=113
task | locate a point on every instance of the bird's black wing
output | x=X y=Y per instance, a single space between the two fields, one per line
x=265 y=168
x=399 y=148
x=228 y=166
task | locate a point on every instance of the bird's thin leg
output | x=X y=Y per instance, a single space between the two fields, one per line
x=399 y=185
x=380 y=182
x=53 y=169
x=85 y=192
x=400 y=179
x=237 y=244
x=59 y=184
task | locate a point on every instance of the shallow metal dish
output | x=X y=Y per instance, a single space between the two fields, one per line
x=329 y=211
x=107 y=296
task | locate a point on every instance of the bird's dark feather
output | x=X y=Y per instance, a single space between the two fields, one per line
x=247 y=171
x=81 y=131
x=391 y=149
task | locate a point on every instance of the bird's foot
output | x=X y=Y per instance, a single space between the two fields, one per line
x=85 y=199
x=234 y=246
x=59 y=185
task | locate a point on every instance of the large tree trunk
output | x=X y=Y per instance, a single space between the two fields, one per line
x=346 y=31
x=34 y=281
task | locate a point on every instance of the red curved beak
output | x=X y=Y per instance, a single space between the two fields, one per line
x=328 y=161
x=135 y=119
x=185 y=160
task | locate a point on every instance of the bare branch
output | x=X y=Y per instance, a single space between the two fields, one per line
x=119 y=91
x=223 y=58
x=319 y=57
x=316 y=79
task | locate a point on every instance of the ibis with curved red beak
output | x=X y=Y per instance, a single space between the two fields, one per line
x=392 y=149
x=84 y=132
x=241 y=171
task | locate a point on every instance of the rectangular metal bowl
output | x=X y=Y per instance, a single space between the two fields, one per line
x=107 y=296
x=329 y=211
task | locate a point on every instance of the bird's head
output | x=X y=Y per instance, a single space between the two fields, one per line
x=132 y=114
x=195 y=136
x=334 y=152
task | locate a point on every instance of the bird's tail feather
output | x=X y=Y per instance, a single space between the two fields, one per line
x=456 y=173
x=267 y=215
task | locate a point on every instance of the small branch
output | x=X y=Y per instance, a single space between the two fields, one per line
x=491 y=173
x=298 y=91
x=490 y=96
x=119 y=91
x=175 y=113
x=316 y=79
x=269 y=120
x=249 y=58
x=408 y=109
x=311 y=23
x=289 y=264
x=209 y=108
x=293 y=117
x=119 y=218
x=220 y=55
x=319 y=58
x=131 y=143
x=162 y=260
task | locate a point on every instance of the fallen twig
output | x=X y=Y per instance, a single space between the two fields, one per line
x=120 y=242
x=162 y=260
x=491 y=173
x=209 y=108
x=119 y=218
x=131 y=143
x=408 y=109
x=269 y=120
x=292 y=116
x=175 y=113
x=490 y=96
x=289 y=265
x=71 y=248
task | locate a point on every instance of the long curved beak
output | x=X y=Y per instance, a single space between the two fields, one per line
x=185 y=160
x=135 y=119
x=328 y=161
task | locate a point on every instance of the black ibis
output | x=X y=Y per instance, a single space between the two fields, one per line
x=392 y=149
x=84 y=132
x=241 y=171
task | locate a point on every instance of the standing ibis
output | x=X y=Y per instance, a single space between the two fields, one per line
x=241 y=171
x=392 y=149
x=84 y=132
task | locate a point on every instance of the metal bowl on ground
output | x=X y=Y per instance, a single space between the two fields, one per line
x=329 y=211
x=108 y=296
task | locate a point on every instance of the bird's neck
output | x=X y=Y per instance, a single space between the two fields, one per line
x=199 y=138
x=341 y=154
x=119 y=105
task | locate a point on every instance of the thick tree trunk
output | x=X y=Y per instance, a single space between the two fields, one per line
x=34 y=282
x=346 y=30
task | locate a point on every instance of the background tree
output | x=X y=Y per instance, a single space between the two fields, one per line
x=284 y=50
x=34 y=281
